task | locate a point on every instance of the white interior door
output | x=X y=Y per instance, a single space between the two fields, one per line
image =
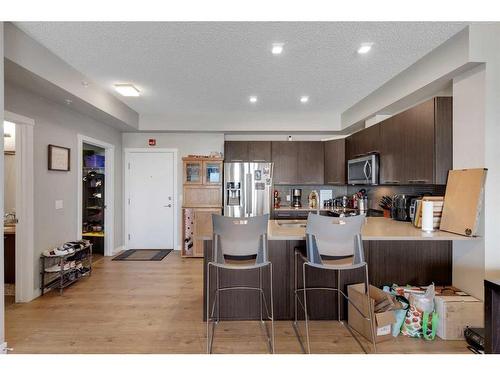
x=151 y=204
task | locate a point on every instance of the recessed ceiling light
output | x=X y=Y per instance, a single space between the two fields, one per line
x=277 y=48
x=304 y=99
x=253 y=99
x=365 y=48
x=68 y=101
x=127 y=89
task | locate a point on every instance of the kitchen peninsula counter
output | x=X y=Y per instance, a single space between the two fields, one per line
x=375 y=229
x=396 y=253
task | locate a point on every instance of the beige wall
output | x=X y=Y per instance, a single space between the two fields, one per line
x=185 y=143
x=58 y=124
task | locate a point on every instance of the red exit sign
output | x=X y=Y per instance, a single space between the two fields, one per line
x=152 y=142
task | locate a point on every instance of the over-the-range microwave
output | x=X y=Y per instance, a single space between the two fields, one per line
x=363 y=170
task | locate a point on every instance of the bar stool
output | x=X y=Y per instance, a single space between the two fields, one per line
x=235 y=241
x=332 y=244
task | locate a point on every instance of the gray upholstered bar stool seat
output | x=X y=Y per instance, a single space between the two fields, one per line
x=239 y=244
x=333 y=244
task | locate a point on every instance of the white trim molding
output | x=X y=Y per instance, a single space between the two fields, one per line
x=126 y=153
x=109 y=190
x=25 y=228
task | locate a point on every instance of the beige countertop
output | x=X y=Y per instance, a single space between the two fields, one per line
x=376 y=228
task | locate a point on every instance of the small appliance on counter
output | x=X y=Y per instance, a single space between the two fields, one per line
x=400 y=209
x=296 y=198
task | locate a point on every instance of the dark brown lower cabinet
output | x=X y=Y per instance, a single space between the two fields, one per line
x=400 y=262
x=9 y=243
x=492 y=316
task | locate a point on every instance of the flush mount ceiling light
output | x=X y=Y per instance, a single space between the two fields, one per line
x=252 y=99
x=304 y=99
x=277 y=48
x=127 y=89
x=365 y=48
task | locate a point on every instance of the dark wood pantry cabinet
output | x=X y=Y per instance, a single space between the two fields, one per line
x=285 y=158
x=335 y=162
x=311 y=161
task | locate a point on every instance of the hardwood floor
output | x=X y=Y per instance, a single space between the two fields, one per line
x=156 y=307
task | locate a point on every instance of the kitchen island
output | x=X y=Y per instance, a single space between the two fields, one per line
x=396 y=252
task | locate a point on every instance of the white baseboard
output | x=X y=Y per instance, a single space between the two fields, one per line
x=118 y=249
x=4 y=349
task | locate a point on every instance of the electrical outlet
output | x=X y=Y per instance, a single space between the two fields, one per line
x=288 y=198
x=59 y=204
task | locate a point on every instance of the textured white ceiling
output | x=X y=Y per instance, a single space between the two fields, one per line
x=198 y=76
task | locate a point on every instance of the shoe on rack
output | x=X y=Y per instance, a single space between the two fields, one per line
x=55 y=252
x=57 y=268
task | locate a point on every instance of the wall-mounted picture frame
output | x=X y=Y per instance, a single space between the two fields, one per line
x=59 y=158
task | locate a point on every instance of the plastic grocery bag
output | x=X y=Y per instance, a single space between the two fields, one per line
x=400 y=313
x=421 y=320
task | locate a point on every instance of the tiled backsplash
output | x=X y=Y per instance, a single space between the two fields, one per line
x=284 y=190
x=374 y=192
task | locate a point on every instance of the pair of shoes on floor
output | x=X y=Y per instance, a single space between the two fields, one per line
x=59 y=251
x=57 y=267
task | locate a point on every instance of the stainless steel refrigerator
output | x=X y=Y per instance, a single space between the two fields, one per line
x=247 y=189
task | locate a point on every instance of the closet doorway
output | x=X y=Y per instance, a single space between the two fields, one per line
x=95 y=195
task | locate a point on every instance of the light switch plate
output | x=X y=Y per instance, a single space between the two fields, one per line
x=59 y=204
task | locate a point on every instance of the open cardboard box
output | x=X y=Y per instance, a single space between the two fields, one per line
x=382 y=321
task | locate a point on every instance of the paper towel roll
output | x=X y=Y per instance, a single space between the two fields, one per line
x=427 y=216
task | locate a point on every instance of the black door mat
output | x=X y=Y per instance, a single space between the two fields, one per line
x=142 y=254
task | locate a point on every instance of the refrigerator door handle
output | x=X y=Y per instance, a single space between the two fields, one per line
x=248 y=191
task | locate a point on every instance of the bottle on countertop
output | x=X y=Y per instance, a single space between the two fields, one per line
x=277 y=199
x=313 y=199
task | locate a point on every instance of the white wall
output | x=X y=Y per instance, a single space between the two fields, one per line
x=469 y=152
x=483 y=37
x=9 y=201
x=2 y=307
x=187 y=143
x=31 y=55
x=58 y=124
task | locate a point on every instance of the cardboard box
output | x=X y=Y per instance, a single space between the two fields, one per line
x=456 y=313
x=382 y=321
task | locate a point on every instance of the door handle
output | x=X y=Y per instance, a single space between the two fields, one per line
x=364 y=170
x=168 y=205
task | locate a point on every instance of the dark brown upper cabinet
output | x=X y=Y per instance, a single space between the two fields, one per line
x=252 y=151
x=235 y=151
x=363 y=142
x=311 y=163
x=285 y=158
x=259 y=151
x=335 y=164
x=416 y=145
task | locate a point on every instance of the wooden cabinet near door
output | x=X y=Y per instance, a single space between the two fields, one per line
x=202 y=197
x=202 y=227
x=335 y=164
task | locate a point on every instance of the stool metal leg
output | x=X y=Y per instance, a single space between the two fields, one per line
x=338 y=296
x=370 y=312
x=305 y=307
x=272 y=306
